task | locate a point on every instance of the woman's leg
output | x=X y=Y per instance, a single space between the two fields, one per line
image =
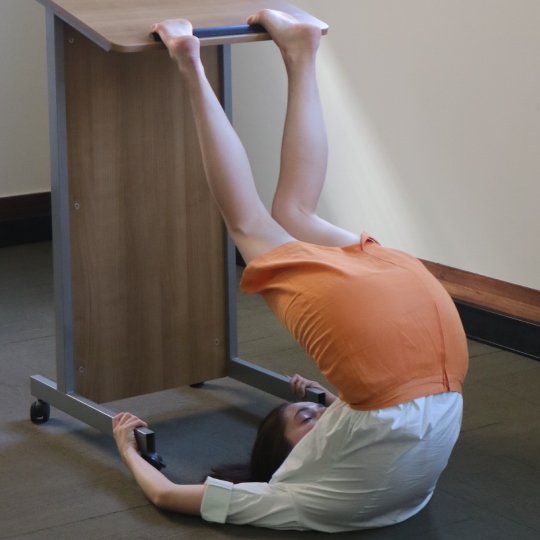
x=304 y=150
x=225 y=162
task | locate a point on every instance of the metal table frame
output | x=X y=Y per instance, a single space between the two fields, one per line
x=61 y=394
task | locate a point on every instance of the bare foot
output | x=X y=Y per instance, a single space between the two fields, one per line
x=291 y=36
x=184 y=47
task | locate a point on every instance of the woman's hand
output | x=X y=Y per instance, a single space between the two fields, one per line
x=160 y=490
x=299 y=384
x=124 y=425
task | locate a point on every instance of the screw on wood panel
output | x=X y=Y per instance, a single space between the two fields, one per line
x=71 y=40
x=77 y=206
x=216 y=341
x=81 y=369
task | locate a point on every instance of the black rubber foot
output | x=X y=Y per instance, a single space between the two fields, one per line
x=155 y=460
x=40 y=412
x=196 y=385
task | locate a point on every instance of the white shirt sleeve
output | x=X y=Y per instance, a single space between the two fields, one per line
x=254 y=503
x=216 y=500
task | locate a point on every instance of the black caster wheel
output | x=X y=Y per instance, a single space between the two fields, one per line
x=155 y=460
x=40 y=411
x=196 y=385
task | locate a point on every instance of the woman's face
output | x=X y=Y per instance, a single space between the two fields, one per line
x=300 y=418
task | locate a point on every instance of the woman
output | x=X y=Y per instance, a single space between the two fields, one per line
x=278 y=433
x=376 y=323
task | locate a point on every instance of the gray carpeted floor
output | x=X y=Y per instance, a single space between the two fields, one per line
x=64 y=480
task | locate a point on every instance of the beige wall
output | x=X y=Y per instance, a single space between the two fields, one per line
x=433 y=113
x=24 y=138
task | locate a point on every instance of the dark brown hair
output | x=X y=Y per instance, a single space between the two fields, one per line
x=269 y=451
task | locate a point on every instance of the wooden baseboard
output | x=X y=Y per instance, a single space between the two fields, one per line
x=25 y=219
x=492 y=311
x=498 y=296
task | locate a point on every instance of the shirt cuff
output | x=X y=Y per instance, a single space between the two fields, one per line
x=216 y=500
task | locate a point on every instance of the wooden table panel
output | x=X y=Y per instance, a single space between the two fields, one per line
x=147 y=241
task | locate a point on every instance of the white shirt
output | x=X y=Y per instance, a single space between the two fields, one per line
x=353 y=470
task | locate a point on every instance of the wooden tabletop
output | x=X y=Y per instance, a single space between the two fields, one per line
x=124 y=25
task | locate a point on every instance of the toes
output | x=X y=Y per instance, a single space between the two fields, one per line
x=257 y=17
x=173 y=27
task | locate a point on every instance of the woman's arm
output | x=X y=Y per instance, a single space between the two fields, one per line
x=299 y=384
x=160 y=490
